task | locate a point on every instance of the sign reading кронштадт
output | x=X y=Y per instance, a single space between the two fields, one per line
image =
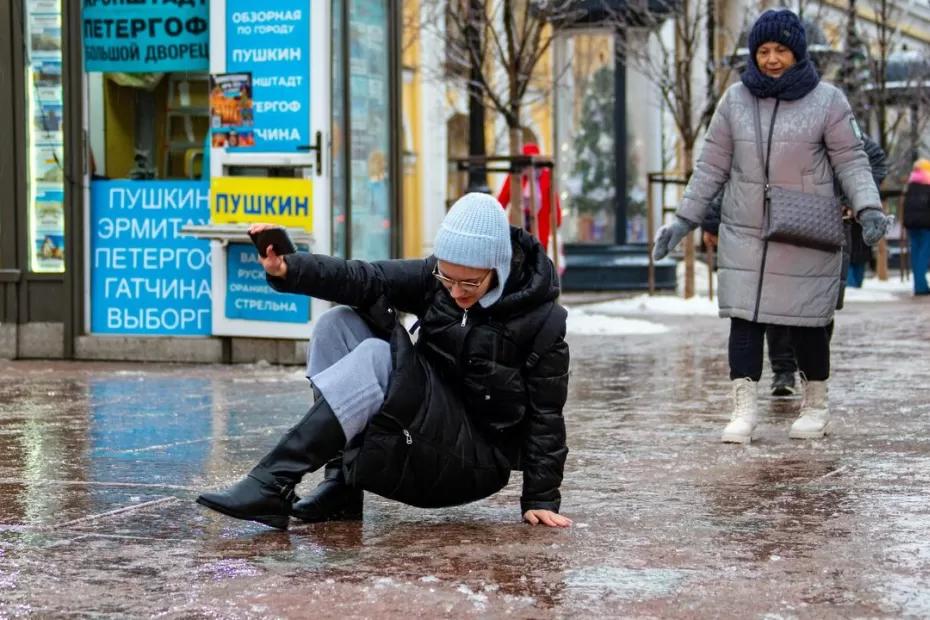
x=247 y=200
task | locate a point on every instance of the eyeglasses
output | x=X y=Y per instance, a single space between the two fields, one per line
x=466 y=285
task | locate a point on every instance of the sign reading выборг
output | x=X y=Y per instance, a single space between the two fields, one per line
x=248 y=295
x=271 y=40
x=143 y=36
x=146 y=277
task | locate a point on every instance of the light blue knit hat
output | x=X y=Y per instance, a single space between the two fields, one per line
x=475 y=233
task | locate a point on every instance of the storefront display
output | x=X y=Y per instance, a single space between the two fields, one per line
x=45 y=137
x=370 y=114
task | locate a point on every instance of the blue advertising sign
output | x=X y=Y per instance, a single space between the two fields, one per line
x=146 y=277
x=248 y=295
x=144 y=37
x=273 y=44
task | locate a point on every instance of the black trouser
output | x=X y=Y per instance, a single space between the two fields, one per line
x=811 y=349
x=781 y=348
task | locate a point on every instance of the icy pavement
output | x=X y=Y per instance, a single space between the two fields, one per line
x=100 y=463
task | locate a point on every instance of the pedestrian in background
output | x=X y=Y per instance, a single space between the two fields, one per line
x=917 y=222
x=860 y=253
x=439 y=423
x=812 y=139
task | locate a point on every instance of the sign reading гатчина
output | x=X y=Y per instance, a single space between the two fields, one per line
x=141 y=36
x=146 y=277
x=271 y=40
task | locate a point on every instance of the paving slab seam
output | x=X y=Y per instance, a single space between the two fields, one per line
x=97 y=483
x=111 y=513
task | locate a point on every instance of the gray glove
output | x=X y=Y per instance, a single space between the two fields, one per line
x=874 y=224
x=670 y=235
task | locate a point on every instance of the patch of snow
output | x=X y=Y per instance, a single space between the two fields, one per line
x=584 y=323
x=875 y=291
x=656 y=305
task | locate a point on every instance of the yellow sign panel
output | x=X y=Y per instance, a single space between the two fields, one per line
x=247 y=200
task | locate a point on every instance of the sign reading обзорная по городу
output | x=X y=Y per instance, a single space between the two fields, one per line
x=151 y=36
x=271 y=41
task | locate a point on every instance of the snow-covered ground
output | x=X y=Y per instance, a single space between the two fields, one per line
x=873 y=290
x=610 y=318
x=587 y=322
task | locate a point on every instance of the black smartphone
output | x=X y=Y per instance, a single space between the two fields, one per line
x=276 y=237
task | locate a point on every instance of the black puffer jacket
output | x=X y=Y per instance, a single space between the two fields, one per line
x=476 y=359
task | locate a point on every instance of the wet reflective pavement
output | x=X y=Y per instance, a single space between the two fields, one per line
x=100 y=464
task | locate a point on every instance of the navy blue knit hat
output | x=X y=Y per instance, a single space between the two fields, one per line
x=780 y=26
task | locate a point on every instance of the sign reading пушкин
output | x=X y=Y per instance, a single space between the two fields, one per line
x=146 y=277
x=247 y=200
x=271 y=40
x=140 y=36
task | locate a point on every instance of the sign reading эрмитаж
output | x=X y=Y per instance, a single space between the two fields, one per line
x=271 y=40
x=146 y=277
x=248 y=295
x=142 y=36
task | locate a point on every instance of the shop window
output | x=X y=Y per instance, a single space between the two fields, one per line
x=586 y=160
x=45 y=136
x=154 y=125
x=361 y=194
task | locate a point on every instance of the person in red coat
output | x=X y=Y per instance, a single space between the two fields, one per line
x=543 y=190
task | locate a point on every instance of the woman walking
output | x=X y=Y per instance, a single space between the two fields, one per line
x=434 y=424
x=811 y=138
x=917 y=222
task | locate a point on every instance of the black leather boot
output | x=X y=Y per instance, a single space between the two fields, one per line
x=265 y=495
x=331 y=500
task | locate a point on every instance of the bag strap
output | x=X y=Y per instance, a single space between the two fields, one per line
x=767 y=158
x=549 y=332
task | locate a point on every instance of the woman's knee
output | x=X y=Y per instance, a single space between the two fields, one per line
x=377 y=353
x=337 y=315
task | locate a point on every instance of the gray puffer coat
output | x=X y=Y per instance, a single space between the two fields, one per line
x=815 y=138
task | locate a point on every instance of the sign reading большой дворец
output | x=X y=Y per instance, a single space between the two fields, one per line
x=142 y=36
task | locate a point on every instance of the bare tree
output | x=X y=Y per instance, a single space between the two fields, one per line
x=672 y=65
x=496 y=48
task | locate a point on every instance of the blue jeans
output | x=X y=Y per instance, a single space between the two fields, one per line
x=920 y=258
x=856 y=275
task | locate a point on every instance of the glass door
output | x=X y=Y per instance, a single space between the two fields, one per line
x=361 y=104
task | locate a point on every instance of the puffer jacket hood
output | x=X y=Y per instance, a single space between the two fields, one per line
x=533 y=280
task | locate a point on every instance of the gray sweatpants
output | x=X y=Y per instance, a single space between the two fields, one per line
x=349 y=366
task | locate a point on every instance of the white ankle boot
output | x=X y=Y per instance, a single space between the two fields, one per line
x=814 y=421
x=745 y=412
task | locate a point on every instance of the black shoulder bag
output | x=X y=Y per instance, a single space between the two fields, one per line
x=798 y=218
